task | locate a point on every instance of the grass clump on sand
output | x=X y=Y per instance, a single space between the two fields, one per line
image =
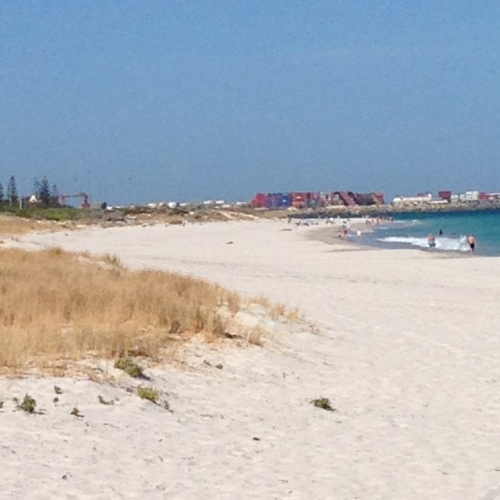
x=57 y=305
x=323 y=403
x=76 y=412
x=28 y=404
x=148 y=393
x=129 y=366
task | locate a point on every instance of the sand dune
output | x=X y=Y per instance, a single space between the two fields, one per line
x=407 y=352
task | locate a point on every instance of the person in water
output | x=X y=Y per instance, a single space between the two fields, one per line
x=440 y=232
x=471 y=240
x=431 y=240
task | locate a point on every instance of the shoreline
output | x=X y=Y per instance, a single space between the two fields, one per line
x=325 y=235
x=322 y=234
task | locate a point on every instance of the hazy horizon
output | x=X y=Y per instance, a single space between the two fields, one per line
x=155 y=101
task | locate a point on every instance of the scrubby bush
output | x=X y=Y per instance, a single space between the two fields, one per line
x=323 y=403
x=148 y=393
x=129 y=366
x=28 y=404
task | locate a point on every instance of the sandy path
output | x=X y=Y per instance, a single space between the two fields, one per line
x=408 y=354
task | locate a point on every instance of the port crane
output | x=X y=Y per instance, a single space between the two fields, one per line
x=83 y=196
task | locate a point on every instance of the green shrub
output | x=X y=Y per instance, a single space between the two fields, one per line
x=129 y=366
x=28 y=404
x=323 y=403
x=148 y=393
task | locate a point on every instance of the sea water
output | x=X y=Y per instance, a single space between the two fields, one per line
x=412 y=231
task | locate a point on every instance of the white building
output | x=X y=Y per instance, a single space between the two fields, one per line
x=471 y=196
x=412 y=200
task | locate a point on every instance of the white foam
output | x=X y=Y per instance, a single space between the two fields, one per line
x=446 y=244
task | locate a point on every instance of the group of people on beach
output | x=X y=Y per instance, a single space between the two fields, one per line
x=471 y=240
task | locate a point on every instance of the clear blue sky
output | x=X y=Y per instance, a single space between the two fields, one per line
x=220 y=99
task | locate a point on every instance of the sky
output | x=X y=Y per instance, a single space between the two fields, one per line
x=159 y=100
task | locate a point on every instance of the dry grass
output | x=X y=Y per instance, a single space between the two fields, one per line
x=10 y=225
x=276 y=310
x=257 y=336
x=56 y=305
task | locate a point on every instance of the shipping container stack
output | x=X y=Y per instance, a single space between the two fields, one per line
x=299 y=199
x=315 y=199
x=445 y=195
x=259 y=201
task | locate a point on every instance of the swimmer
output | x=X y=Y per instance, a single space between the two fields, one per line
x=471 y=240
x=440 y=232
x=431 y=240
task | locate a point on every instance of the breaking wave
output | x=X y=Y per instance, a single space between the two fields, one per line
x=458 y=244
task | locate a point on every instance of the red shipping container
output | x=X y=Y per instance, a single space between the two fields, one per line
x=259 y=200
x=444 y=195
x=299 y=199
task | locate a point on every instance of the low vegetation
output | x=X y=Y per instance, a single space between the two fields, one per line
x=57 y=305
x=55 y=214
x=12 y=226
x=76 y=412
x=105 y=402
x=129 y=366
x=28 y=404
x=276 y=310
x=148 y=393
x=323 y=403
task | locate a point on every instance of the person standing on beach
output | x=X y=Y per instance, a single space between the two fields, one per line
x=431 y=240
x=472 y=243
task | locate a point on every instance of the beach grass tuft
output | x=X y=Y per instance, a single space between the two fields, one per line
x=58 y=305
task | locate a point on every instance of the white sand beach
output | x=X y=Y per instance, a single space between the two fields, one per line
x=407 y=351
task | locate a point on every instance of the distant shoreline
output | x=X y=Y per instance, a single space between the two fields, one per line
x=327 y=235
x=391 y=210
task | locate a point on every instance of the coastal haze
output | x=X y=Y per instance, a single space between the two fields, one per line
x=157 y=101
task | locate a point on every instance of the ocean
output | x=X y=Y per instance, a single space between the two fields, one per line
x=412 y=230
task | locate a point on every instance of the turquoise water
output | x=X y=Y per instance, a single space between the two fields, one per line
x=412 y=230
